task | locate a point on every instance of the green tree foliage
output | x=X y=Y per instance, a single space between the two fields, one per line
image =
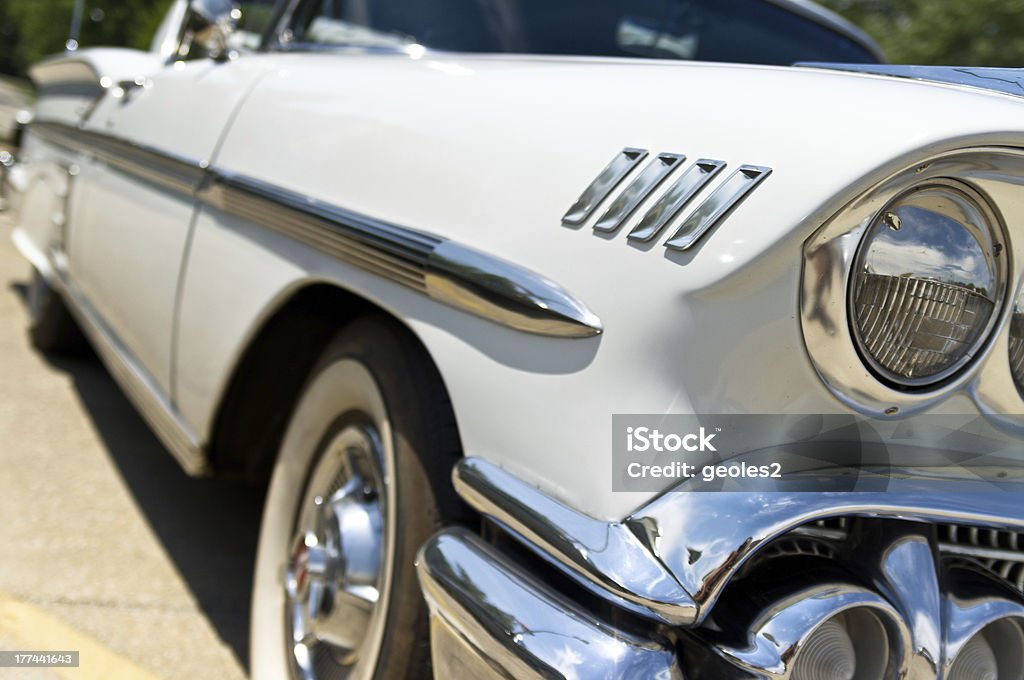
x=33 y=29
x=942 y=32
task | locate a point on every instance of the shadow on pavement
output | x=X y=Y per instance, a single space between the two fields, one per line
x=208 y=527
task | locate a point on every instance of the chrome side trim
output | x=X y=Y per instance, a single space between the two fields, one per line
x=493 y=621
x=670 y=560
x=1003 y=80
x=445 y=271
x=178 y=174
x=506 y=293
x=606 y=558
x=679 y=194
x=390 y=252
x=140 y=387
x=648 y=180
x=603 y=185
x=717 y=205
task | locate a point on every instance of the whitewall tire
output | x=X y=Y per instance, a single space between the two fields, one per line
x=361 y=480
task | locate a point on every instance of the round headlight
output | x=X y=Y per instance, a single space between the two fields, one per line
x=927 y=283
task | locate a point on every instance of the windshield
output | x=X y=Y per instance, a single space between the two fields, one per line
x=747 y=31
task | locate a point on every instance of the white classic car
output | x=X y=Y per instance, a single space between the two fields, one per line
x=342 y=247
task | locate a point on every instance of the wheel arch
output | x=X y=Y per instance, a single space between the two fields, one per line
x=273 y=367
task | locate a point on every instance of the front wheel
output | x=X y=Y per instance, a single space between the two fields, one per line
x=361 y=481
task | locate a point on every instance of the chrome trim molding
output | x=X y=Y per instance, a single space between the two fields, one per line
x=445 y=271
x=620 y=166
x=606 y=558
x=506 y=293
x=672 y=202
x=1003 y=80
x=715 y=207
x=648 y=180
x=166 y=170
x=390 y=252
x=995 y=174
x=670 y=560
x=492 y=620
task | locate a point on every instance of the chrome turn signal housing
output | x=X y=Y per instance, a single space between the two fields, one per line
x=830 y=631
x=927 y=281
x=996 y=651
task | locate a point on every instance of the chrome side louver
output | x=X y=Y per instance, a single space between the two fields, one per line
x=604 y=184
x=630 y=199
x=671 y=203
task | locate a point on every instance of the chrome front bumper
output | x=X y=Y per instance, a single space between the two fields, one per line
x=491 y=619
x=933 y=567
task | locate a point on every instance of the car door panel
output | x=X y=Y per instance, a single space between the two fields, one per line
x=131 y=237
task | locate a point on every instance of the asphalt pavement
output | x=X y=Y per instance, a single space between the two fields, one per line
x=106 y=546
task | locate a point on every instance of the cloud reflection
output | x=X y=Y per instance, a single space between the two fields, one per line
x=930 y=245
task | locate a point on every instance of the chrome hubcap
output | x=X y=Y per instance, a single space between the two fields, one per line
x=336 y=571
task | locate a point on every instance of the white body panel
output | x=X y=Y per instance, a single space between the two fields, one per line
x=490 y=152
x=130 y=237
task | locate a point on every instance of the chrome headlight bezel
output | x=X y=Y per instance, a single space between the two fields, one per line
x=994 y=175
x=987 y=234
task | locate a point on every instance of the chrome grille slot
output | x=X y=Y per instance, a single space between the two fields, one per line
x=1000 y=551
x=820 y=538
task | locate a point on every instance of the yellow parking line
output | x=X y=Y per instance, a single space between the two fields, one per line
x=38 y=630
